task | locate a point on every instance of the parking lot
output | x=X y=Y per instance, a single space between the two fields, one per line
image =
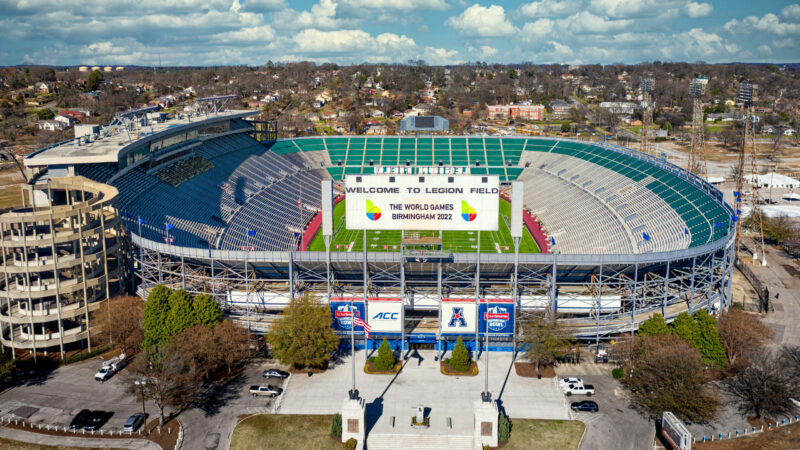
x=56 y=398
x=616 y=425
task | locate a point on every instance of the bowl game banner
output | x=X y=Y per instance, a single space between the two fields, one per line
x=342 y=310
x=500 y=316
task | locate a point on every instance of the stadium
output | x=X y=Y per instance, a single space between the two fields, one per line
x=211 y=202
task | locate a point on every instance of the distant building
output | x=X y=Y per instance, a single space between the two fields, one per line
x=51 y=125
x=625 y=108
x=83 y=69
x=69 y=120
x=560 y=107
x=413 y=124
x=527 y=112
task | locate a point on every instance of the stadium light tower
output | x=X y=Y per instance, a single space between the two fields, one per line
x=745 y=98
x=646 y=87
x=697 y=160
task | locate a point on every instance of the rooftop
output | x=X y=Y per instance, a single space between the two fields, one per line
x=106 y=149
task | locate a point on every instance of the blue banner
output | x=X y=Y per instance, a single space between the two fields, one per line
x=342 y=314
x=500 y=317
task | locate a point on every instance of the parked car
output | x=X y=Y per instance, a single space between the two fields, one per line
x=265 y=389
x=275 y=373
x=95 y=420
x=569 y=380
x=80 y=419
x=586 y=405
x=133 y=423
x=586 y=389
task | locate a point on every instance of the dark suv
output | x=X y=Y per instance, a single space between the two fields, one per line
x=586 y=405
x=80 y=419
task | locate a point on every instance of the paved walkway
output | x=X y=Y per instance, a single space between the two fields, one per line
x=782 y=277
x=69 y=441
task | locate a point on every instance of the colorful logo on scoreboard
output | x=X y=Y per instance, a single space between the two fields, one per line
x=467 y=212
x=498 y=318
x=373 y=212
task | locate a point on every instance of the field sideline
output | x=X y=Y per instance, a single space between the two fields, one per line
x=456 y=241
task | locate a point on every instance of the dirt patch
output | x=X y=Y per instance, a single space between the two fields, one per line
x=369 y=368
x=471 y=372
x=528 y=370
x=301 y=370
x=792 y=270
x=783 y=437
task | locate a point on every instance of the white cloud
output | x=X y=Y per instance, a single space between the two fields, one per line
x=483 y=51
x=321 y=15
x=791 y=12
x=398 y=5
x=536 y=31
x=480 y=21
x=546 y=8
x=764 y=50
x=697 y=10
x=625 y=9
x=262 y=5
x=586 y=22
x=784 y=43
x=433 y=55
x=697 y=43
x=251 y=34
x=769 y=23
x=312 y=41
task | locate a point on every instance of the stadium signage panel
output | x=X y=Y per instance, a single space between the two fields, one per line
x=422 y=170
x=458 y=315
x=385 y=315
x=437 y=202
x=342 y=309
x=500 y=316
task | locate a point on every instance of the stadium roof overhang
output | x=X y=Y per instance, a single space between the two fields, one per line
x=107 y=149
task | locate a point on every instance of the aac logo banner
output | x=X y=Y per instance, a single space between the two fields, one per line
x=458 y=316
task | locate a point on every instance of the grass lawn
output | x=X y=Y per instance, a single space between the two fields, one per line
x=279 y=431
x=544 y=434
x=456 y=241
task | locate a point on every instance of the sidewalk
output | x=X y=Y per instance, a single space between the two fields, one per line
x=69 y=441
x=782 y=276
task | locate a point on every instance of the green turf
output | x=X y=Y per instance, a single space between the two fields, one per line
x=455 y=241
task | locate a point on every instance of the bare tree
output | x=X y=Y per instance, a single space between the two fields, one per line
x=742 y=334
x=766 y=387
x=547 y=340
x=125 y=313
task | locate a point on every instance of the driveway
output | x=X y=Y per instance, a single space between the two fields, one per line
x=617 y=425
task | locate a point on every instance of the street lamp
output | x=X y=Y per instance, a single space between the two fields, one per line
x=141 y=383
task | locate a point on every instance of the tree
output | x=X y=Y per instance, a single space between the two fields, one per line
x=206 y=310
x=503 y=427
x=385 y=359
x=766 y=387
x=741 y=334
x=668 y=127
x=94 y=81
x=684 y=326
x=125 y=312
x=566 y=127
x=154 y=318
x=545 y=338
x=45 y=114
x=6 y=366
x=167 y=382
x=303 y=335
x=706 y=339
x=459 y=359
x=336 y=426
x=666 y=374
x=181 y=312
x=654 y=326
x=232 y=343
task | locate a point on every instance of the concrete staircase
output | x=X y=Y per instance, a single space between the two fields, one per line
x=419 y=442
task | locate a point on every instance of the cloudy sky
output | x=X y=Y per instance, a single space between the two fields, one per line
x=217 y=32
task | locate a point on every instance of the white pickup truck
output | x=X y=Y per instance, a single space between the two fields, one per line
x=110 y=367
x=573 y=389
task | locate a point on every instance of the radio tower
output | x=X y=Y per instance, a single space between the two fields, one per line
x=646 y=87
x=697 y=155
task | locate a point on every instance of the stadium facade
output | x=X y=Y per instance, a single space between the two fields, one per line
x=208 y=208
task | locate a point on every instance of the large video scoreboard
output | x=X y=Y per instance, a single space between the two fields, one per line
x=422 y=202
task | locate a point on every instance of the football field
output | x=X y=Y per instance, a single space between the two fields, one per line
x=456 y=241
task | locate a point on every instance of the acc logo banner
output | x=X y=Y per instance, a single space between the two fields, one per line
x=458 y=317
x=385 y=315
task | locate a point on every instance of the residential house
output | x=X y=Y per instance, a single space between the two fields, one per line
x=527 y=112
x=51 y=125
x=560 y=108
